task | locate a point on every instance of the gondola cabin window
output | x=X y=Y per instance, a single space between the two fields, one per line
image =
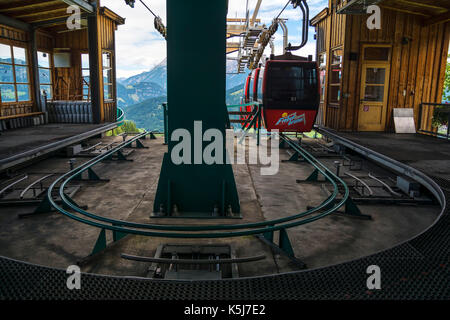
x=14 y=74
x=45 y=74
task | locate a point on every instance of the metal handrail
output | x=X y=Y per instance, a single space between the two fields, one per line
x=117 y=225
x=420 y=130
x=192 y=261
x=120 y=117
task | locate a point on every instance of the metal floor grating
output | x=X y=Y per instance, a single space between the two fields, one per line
x=417 y=269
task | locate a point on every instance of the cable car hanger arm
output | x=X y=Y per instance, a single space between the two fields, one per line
x=305 y=11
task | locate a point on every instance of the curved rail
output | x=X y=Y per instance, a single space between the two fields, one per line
x=120 y=117
x=365 y=185
x=327 y=207
x=192 y=261
x=34 y=183
x=385 y=185
x=13 y=184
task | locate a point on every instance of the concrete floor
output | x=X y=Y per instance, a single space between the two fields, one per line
x=55 y=240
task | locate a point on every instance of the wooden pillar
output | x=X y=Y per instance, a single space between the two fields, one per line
x=94 y=69
x=35 y=73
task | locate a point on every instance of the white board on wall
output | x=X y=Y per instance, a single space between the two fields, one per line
x=62 y=60
x=404 y=120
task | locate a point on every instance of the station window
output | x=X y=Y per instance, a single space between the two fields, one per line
x=14 y=74
x=335 y=76
x=85 y=77
x=45 y=74
x=107 y=76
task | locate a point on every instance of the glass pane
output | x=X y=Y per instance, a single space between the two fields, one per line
x=375 y=75
x=322 y=85
x=322 y=60
x=20 y=56
x=336 y=74
x=85 y=61
x=85 y=91
x=5 y=53
x=86 y=80
x=6 y=73
x=21 y=74
x=44 y=76
x=43 y=60
x=48 y=91
x=85 y=73
x=292 y=85
x=108 y=92
x=374 y=93
x=107 y=76
x=7 y=92
x=376 y=53
x=106 y=60
x=23 y=92
x=337 y=57
x=335 y=94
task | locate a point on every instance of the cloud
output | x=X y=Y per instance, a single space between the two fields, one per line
x=139 y=47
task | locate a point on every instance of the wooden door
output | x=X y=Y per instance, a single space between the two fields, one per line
x=374 y=97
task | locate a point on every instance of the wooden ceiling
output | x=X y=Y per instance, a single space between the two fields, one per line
x=433 y=11
x=48 y=14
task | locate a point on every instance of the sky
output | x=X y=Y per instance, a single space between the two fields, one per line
x=139 y=47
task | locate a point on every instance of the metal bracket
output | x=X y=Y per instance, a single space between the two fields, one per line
x=284 y=246
x=100 y=244
x=92 y=176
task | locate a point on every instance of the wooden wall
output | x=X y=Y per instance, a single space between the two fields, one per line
x=417 y=68
x=107 y=29
x=322 y=37
x=67 y=82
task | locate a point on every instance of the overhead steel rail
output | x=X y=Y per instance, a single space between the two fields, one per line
x=379 y=158
x=121 y=228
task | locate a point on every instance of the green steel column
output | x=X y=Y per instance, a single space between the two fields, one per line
x=196 y=92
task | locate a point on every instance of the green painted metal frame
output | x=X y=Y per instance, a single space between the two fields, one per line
x=120 y=228
x=196 y=187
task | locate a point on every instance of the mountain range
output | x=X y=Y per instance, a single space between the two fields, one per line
x=141 y=96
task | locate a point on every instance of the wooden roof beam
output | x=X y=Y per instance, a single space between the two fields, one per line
x=242 y=20
x=442 y=18
x=54 y=21
x=14 y=23
x=405 y=11
x=56 y=10
x=420 y=4
x=27 y=5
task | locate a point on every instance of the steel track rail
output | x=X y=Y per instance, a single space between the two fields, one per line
x=327 y=207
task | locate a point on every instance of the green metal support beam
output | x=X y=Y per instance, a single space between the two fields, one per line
x=196 y=188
